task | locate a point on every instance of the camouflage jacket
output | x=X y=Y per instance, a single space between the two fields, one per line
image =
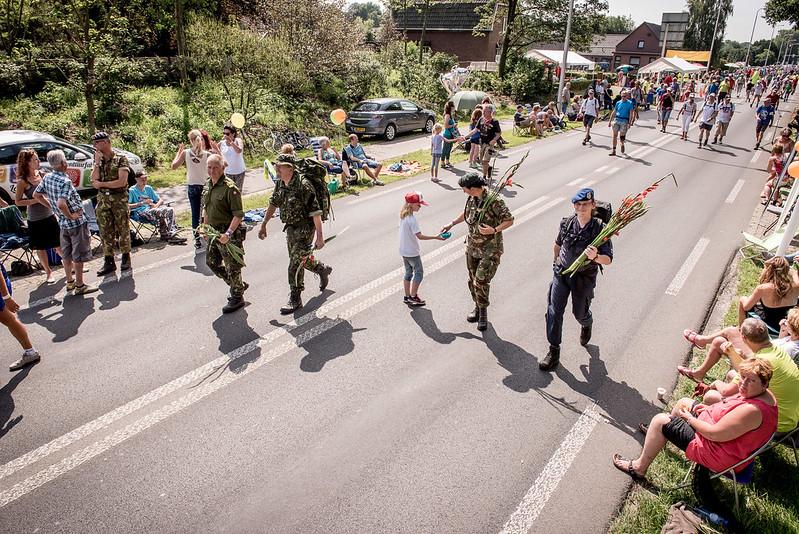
x=109 y=171
x=477 y=244
x=297 y=201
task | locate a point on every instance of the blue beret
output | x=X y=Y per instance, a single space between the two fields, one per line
x=583 y=194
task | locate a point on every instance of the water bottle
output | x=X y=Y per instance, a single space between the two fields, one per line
x=710 y=516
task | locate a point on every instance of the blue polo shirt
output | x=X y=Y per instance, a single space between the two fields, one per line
x=623 y=110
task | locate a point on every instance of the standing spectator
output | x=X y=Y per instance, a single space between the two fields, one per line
x=450 y=132
x=57 y=189
x=774 y=168
x=765 y=116
x=359 y=160
x=409 y=249
x=436 y=148
x=8 y=309
x=490 y=132
x=146 y=204
x=232 y=149
x=565 y=98
x=665 y=106
x=301 y=212
x=590 y=110
x=223 y=212
x=688 y=113
x=196 y=159
x=110 y=177
x=474 y=145
x=637 y=96
x=726 y=111
x=708 y=115
x=620 y=120
x=43 y=230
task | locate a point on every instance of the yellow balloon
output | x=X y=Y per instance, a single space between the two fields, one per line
x=237 y=120
x=793 y=169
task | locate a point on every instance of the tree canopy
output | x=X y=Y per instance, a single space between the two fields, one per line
x=782 y=10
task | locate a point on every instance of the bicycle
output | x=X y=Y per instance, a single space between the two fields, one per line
x=275 y=141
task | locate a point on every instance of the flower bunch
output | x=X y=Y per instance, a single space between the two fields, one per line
x=310 y=255
x=212 y=234
x=632 y=207
x=505 y=181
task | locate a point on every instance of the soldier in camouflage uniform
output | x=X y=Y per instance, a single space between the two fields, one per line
x=224 y=212
x=110 y=178
x=483 y=243
x=301 y=214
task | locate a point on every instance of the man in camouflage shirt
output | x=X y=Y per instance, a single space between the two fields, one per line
x=483 y=243
x=301 y=214
x=110 y=178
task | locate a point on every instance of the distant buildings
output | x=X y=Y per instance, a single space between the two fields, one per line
x=640 y=48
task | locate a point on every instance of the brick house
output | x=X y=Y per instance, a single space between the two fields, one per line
x=640 y=48
x=449 y=30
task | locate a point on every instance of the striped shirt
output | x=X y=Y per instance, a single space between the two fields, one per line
x=56 y=185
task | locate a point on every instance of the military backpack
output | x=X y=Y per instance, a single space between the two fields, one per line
x=316 y=174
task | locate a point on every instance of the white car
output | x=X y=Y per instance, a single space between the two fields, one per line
x=79 y=159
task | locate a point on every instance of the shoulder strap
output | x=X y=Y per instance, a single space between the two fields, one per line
x=565 y=228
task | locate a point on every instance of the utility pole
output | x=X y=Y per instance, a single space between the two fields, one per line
x=713 y=41
x=768 y=52
x=748 y=48
x=565 y=53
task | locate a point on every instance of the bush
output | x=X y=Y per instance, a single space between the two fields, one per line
x=528 y=80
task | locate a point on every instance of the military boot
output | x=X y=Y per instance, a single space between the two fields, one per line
x=472 y=317
x=294 y=303
x=585 y=335
x=233 y=304
x=108 y=267
x=324 y=277
x=125 y=265
x=482 y=319
x=551 y=360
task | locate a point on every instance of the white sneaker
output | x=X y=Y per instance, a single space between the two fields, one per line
x=24 y=360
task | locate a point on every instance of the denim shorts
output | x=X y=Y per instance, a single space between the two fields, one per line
x=413 y=269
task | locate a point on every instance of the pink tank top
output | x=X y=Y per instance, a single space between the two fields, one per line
x=721 y=455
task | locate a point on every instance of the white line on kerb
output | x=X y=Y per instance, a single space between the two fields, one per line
x=755 y=156
x=544 y=486
x=574 y=182
x=734 y=193
x=687 y=267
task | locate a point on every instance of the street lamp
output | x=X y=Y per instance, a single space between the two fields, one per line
x=563 y=63
x=768 y=52
x=713 y=40
x=785 y=56
x=748 y=48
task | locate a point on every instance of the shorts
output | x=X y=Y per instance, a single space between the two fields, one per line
x=761 y=127
x=76 y=244
x=588 y=120
x=679 y=432
x=335 y=168
x=705 y=126
x=368 y=162
x=665 y=114
x=721 y=128
x=7 y=282
x=413 y=269
x=486 y=152
x=44 y=233
x=621 y=127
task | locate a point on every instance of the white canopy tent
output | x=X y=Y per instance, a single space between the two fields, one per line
x=673 y=64
x=573 y=59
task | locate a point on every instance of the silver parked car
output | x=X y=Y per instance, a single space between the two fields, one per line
x=388 y=117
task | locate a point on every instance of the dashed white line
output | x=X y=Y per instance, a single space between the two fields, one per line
x=602 y=168
x=612 y=170
x=589 y=183
x=687 y=267
x=734 y=193
x=574 y=182
x=755 y=156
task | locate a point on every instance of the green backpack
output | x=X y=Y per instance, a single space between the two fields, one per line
x=316 y=174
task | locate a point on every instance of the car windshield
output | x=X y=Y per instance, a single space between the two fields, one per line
x=367 y=106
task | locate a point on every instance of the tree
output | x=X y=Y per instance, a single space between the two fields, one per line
x=782 y=10
x=613 y=24
x=701 y=23
x=366 y=11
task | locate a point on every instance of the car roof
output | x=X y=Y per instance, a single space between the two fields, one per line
x=23 y=136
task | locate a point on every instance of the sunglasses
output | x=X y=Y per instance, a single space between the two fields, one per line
x=226 y=132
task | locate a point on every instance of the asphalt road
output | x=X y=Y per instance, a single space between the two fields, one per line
x=152 y=411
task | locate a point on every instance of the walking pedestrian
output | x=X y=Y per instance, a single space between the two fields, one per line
x=8 y=318
x=765 y=116
x=223 y=212
x=708 y=115
x=575 y=235
x=301 y=213
x=590 y=110
x=232 y=149
x=620 y=120
x=196 y=160
x=726 y=111
x=665 y=106
x=409 y=249
x=687 y=113
x=110 y=177
x=484 y=244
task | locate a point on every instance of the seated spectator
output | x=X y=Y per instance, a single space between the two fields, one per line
x=774 y=167
x=522 y=120
x=145 y=204
x=789 y=335
x=771 y=300
x=785 y=140
x=359 y=160
x=544 y=119
x=539 y=121
x=718 y=435
x=784 y=382
x=329 y=157
x=287 y=148
x=554 y=117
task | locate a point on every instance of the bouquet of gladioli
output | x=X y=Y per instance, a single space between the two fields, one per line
x=505 y=181
x=631 y=209
x=212 y=234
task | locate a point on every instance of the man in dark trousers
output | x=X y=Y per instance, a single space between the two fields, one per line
x=574 y=237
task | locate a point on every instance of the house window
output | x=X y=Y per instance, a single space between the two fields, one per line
x=651 y=59
x=618 y=59
x=635 y=61
x=640 y=44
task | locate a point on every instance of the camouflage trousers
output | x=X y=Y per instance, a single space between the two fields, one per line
x=481 y=271
x=113 y=218
x=224 y=265
x=299 y=240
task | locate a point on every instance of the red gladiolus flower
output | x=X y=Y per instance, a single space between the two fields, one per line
x=510 y=183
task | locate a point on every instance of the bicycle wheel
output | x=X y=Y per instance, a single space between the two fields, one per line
x=302 y=140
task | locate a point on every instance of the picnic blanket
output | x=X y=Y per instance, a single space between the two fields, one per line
x=408 y=168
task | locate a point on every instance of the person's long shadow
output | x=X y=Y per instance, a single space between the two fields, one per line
x=112 y=293
x=7 y=401
x=624 y=405
x=448 y=187
x=335 y=342
x=199 y=265
x=523 y=366
x=63 y=318
x=424 y=318
x=237 y=339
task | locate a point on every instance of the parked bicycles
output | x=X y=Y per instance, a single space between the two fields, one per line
x=275 y=140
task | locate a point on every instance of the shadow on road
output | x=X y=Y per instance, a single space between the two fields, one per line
x=424 y=318
x=199 y=265
x=112 y=293
x=63 y=318
x=238 y=340
x=523 y=366
x=7 y=401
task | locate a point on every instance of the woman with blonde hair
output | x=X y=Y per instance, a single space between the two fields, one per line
x=195 y=159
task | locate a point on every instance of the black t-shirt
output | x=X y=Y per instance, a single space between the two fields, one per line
x=667 y=101
x=518 y=117
x=488 y=130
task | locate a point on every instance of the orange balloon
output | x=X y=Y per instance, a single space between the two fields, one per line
x=338 y=116
x=793 y=169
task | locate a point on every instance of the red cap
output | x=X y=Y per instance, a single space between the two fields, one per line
x=414 y=197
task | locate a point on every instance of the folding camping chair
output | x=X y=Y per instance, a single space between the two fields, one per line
x=755 y=246
x=142 y=227
x=14 y=238
x=94 y=228
x=355 y=170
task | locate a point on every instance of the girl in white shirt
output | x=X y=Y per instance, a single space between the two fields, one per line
x=409 y=249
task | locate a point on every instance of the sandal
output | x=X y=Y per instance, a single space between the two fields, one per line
x=689 y=373
x=643 y=427
x=629 y=470
x=691 y=336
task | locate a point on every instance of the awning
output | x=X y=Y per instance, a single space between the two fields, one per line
x=673 y=64
x=573 y=59
x=690 y=55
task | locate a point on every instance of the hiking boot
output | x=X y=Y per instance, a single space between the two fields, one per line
x=108 y=267
x=233 y=304
x=551 y=360
x=71 y=285
x=294 y=303
x=472 y=317
x=175 y=239
x=125 y=265
x=26 y=359
x=482 y=319
x=612 y=152
x=715 y=140
x=85 y=289
x=198 y=244
x=585 y=335
x=246 y=286
x=414 y=300
x=324 y=277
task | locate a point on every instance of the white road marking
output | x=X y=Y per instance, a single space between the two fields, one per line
x=755 y=156
x=589 y=183
x=226 y=376
x=521 y=521
x=734 y=193
x=687 y=267
x=612 y=170
x=387 y=191
x=574 y=182
x=601 y=169
x=638 y=153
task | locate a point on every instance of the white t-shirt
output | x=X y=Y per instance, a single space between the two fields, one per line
x=197 y=168
x=235 y=160
x=707 y=113
x=726 y=111
x=791 y=347
x=408 y=242
x=688 y=109
x=590 y=106
x=758 y=89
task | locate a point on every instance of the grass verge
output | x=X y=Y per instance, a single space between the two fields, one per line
x=769 y=504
